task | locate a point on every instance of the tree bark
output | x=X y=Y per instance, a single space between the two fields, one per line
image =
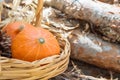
x=106 y=17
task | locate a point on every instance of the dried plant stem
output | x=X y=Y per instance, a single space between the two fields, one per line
x=16 y=4
x=39 y=13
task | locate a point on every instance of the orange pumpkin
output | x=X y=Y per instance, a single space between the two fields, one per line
x=33 y=44
x=12 y=29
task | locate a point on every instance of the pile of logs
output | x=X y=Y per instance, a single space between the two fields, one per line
x=101 y=46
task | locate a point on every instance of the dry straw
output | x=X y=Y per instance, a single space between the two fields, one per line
x=14 y=69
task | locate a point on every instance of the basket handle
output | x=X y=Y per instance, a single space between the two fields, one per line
x=38 y=13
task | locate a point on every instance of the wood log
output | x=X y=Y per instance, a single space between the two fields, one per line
x=107 y=1
x=106 y=17
x=88 y=48
x=93 y=50
x=101 y=14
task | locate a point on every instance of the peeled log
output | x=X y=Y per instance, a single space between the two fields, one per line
x=93 y=50
x=106 y=17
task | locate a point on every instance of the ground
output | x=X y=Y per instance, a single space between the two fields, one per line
x=77 y=68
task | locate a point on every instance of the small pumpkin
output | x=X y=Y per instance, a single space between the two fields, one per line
x=12 y=29
x=33 y=44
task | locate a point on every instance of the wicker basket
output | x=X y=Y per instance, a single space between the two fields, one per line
x=14 y=69
x=41 y=69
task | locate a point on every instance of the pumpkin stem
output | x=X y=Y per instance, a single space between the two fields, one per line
x=20 y=28
x=41 y=40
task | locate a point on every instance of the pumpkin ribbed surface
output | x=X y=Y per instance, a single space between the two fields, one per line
x=33 y=44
